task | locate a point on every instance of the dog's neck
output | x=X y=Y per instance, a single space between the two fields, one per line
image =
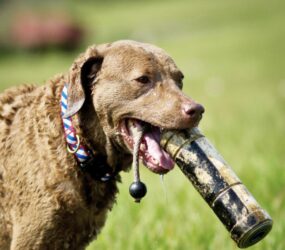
x=87 y=122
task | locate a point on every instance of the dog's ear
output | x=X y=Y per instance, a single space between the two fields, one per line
x=89 y=72
x=81 y=76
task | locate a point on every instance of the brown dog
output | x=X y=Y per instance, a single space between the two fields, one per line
x=48 y=199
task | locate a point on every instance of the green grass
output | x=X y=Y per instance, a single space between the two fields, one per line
x=232 y=53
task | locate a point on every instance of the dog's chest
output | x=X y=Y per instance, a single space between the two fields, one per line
x=82 y=214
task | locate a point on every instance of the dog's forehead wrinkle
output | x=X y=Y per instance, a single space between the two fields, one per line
x=128 y=48
x=134 y=44
x=139 y=55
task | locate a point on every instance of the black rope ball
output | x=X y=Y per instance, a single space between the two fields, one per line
x=138 y=190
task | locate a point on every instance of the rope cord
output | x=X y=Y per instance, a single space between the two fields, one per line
x=137 y=136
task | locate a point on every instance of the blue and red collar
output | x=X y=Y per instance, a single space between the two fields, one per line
x=74 y=146
x=95 y=165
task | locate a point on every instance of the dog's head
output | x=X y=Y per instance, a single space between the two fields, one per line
x=131 y=84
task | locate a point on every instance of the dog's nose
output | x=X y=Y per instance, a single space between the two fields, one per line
x=193 y=110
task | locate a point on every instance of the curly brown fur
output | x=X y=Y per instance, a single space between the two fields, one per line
x=46 y=201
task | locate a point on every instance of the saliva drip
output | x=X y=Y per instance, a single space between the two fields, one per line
x=162 y=180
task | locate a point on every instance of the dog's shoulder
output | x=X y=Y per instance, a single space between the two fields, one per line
x=8 y=95
x=13 y=98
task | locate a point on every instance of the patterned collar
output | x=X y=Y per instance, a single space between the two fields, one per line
x=94 y=164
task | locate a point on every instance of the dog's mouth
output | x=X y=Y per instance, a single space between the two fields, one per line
x=150 y=151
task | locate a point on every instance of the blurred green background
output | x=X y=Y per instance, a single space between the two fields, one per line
x=232 y=54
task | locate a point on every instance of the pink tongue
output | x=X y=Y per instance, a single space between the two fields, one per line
x=153 y=148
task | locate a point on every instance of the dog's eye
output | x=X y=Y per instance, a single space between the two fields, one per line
x=143 y=79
